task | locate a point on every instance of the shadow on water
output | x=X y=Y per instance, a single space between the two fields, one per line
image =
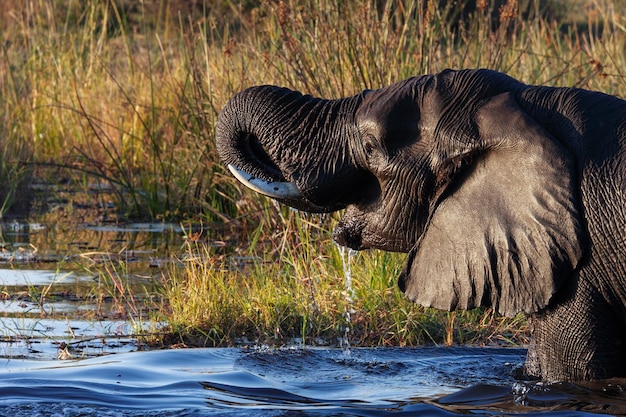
x=296 y=381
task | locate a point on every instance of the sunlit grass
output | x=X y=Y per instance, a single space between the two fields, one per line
x=129 y=96
x=291 y=287
x=99 y=93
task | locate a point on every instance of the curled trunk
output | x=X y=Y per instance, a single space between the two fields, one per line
x=292 y=147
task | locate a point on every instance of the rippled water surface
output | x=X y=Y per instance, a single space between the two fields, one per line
x=294 y=381
x=69 y=347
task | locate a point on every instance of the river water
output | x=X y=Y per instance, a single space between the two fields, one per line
x=294 y=381
x=69 y=354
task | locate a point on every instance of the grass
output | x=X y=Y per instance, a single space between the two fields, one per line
x=125 y=96
x=289 y=284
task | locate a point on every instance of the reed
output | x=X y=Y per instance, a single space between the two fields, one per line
x=125 y=96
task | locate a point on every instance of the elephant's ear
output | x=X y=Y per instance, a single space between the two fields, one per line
x=511 y=232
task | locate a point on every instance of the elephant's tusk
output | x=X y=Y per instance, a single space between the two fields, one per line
x=285 y=190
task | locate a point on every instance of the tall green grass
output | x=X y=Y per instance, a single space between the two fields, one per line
x=125 y=96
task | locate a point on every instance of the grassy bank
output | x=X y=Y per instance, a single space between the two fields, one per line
x=125 y=97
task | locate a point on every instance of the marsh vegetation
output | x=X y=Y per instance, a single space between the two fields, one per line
x=117 y=101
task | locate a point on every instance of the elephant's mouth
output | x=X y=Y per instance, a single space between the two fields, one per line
x=349 y=234
x=356 y=230
x=358 y=239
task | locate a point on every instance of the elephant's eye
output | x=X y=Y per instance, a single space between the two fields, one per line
x=375 y=156
x=369 y=144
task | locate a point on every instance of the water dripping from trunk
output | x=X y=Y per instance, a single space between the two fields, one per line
x=347 y=255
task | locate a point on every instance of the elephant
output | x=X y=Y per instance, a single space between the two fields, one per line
x=502 y=194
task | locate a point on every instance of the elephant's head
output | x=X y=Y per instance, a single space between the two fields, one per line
x=447 y=167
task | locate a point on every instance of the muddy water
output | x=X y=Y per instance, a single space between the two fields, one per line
x=68 y=347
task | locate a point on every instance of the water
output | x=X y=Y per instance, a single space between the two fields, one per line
x=63 y=353
x=346 y=260
x=295 y=381
x=53 y=305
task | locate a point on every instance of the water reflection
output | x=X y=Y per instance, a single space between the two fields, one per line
x=31 y=241
x=75 y=290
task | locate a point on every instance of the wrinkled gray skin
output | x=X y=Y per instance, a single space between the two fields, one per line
x=502 y=194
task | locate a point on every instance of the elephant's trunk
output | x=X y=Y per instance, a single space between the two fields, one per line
x=289 y=146
x=244 y=131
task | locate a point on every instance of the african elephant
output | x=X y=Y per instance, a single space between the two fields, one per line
x=503 y=195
